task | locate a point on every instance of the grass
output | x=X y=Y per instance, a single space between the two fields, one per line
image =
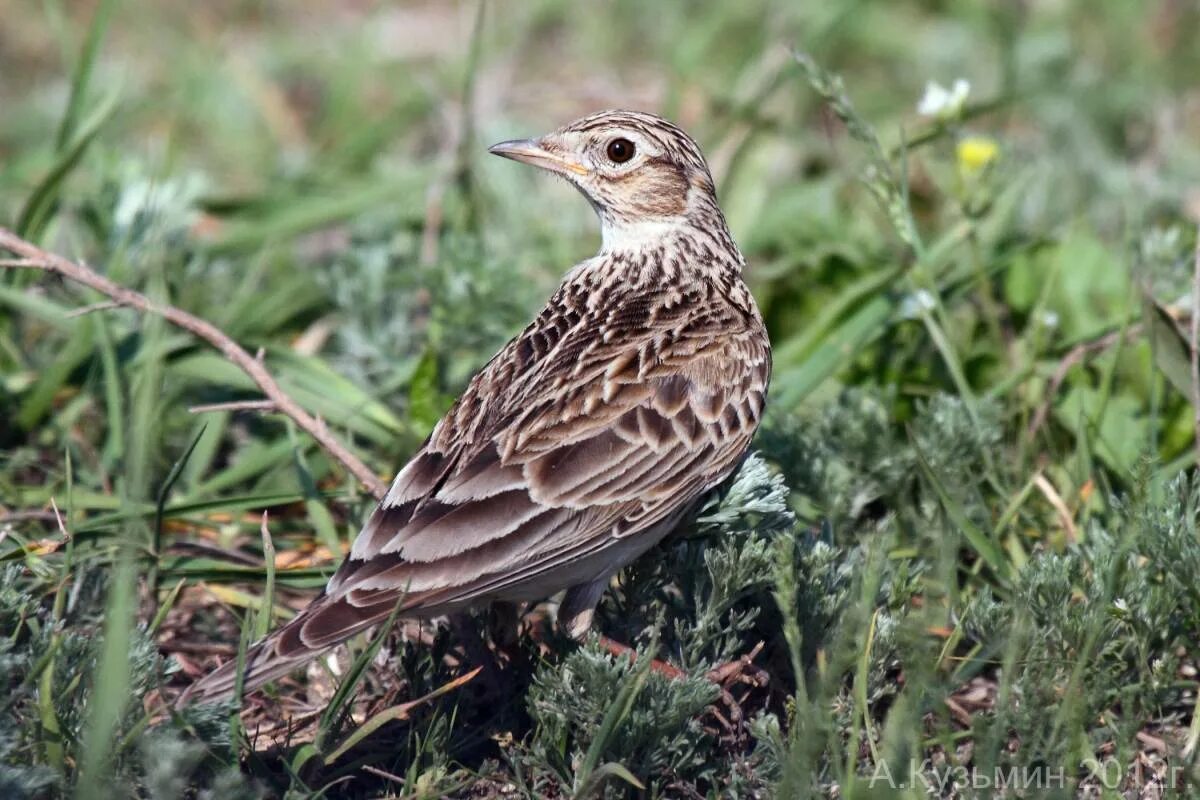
x=968 y=545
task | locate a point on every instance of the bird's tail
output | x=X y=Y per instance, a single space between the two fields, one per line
x=262 y=665
x=317 y=629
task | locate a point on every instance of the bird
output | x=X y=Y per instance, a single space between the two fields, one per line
x=631 y=397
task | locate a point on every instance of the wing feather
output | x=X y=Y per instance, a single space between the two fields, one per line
x=603 y=463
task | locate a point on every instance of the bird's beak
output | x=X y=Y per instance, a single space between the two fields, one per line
x=531 y=151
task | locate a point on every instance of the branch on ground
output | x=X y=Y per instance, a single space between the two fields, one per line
x=31 y=256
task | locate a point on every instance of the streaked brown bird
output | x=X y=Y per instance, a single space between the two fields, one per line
x=589 y=436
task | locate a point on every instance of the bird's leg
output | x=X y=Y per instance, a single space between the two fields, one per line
x=505 y=624
x=578 y=606
x=504 y=627
x=575 y=614
x=476 y=650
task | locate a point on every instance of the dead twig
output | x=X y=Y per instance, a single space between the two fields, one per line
x=617 y=650
x=724 y=674
x=38 y=515
x=234 y=405
x=736 y=669
x=380 y=773
x=1055 y=499
x=33 y=256
x=1152 y=742
x=85 y=310
x=62 y=528
x=1073 y=357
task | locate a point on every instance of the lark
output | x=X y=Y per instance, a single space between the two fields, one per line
x=588 y=437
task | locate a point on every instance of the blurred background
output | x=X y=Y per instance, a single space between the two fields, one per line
x=970 y=224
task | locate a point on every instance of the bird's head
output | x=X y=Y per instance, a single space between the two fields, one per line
x=643 y=175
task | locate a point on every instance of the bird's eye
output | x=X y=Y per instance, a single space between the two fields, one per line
x=620 y=150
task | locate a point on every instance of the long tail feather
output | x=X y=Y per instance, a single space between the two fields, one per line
x=320 y=627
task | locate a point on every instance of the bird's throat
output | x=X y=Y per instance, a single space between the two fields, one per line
x=618 y=236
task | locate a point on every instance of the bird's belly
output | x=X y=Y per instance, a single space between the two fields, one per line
x=605 y=561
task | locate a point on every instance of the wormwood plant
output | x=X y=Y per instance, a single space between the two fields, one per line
x=48 y=669
x=1076 y=652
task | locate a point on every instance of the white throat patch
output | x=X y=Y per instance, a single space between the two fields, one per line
x=635 y=235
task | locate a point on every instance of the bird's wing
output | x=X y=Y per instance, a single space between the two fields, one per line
x=564 y=446
x=595 y=450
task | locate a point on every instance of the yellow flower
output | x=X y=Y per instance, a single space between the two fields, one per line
x=975 y=153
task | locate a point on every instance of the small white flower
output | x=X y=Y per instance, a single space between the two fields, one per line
x=913 y=305
x=169 y=204
x=1048 y=319
x=943 y=103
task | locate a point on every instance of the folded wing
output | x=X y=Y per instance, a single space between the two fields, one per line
x=545 y=472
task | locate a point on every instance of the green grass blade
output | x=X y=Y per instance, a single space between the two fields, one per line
x=345 y=691
x=611 y=769
x=795 y=350
x=621 y=706
x=114 y=406
x=311 y=211
x=82 y=76
x=263 y=618
x=256 y=459
x=110 y=694
x=394 y=714
x=77 y=349
x=160 y=504
x=1170 y=347
x=37 y=210
x=318 y=512
x=979 y=540
x=165 y=606
x=791 y=386
x=37 y=307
